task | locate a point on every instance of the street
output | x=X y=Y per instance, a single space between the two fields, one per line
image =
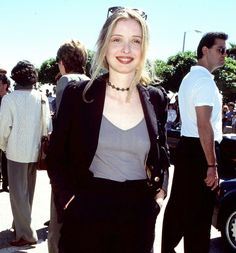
x=41 y=208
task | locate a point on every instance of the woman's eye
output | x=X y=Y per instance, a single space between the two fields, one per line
x=115 y=40
x=136 y=41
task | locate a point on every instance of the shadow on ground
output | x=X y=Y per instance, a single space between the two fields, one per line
x=7 y=235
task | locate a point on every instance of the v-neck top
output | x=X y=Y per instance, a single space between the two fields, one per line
x=121 y=154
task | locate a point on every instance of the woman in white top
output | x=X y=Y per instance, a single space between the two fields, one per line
x=20 y=134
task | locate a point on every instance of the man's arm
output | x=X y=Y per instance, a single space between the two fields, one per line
x=206 y=135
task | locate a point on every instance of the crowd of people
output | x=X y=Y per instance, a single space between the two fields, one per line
x=228 y=117
x=108 y=156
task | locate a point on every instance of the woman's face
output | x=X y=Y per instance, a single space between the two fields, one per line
x=124 y=48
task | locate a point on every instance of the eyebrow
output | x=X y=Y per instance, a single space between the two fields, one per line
x=138 y=36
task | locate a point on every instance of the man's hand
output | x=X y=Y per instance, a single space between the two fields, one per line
x=212 y=179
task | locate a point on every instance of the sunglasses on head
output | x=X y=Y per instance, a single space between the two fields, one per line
x=223 y=50
x=112 y=10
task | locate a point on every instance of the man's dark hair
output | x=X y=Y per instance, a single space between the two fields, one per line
x=24 y=73
x=208 y=40
x=5 y=80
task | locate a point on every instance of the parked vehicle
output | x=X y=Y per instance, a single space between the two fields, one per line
x=224 y=218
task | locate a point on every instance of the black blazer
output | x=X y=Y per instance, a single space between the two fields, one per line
x=74 y=140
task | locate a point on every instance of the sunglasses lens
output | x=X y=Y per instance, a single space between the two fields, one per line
x=223 y=50
x=112 y=10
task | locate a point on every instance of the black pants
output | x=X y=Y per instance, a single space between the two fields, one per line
x=4 y=171
x=189 y=210
x=110 y=217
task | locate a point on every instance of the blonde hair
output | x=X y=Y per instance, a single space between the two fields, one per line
x=99 y=62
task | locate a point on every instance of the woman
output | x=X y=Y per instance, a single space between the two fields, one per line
x=105 y=136
x=20 y=133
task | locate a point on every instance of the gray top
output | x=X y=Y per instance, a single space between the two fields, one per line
x=63 y=82
x=121 y=154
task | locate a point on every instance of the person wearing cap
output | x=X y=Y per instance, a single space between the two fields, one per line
x=20 y=134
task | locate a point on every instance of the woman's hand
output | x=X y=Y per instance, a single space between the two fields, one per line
x=160 y=197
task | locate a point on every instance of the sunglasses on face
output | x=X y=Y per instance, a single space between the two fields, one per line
x=112 y=10
x=223 y=50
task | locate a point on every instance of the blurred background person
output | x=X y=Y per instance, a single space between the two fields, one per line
x=4 y=86
x=229 y=116
x=171 y=116
x=21 y=125
x=71 y=58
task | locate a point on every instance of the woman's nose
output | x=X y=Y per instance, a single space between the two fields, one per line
x=126 y=47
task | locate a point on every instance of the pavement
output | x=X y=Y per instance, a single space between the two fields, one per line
x=40 y=214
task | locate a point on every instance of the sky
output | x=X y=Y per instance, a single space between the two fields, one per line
x=34 y=29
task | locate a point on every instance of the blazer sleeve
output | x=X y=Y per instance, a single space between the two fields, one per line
x=159 y=100
x=57 y=158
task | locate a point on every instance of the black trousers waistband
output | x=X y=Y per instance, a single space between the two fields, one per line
x=193 y=140
x=106 y=184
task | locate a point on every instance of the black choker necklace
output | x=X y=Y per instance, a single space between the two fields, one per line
x=117 y=88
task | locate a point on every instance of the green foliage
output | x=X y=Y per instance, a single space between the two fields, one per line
x=225 y=78
x=48 y=71
x=163 y=70
x=170 y=73
x=89 y=62
x=175 y=69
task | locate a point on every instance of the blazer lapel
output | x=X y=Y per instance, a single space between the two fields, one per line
x=94 y=112
x=149 y=112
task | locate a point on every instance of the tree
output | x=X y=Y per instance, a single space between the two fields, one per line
x=175 y=69
x=177 y=66
x=225 y=78
x=89 y=62
x=232 y=51
x=48 y=71
x=163 y=71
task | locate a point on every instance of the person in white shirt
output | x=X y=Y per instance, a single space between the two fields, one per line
x=20 y=134
x=189 y=210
